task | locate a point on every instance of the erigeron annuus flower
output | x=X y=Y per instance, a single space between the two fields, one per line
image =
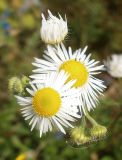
x=114 y=65
x=51 y=103
x=79 y=66
x=53 y=30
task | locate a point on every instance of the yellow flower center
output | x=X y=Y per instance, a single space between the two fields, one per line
x=77 y=70
x=46 y=102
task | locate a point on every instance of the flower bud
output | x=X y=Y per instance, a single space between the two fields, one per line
x=98 y=131
x=53 y=30
x=25 y=81
x=78 y=136
x=15 y=85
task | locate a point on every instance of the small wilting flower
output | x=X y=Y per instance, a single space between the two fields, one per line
x=114 y=65
x=51 y=103
x=53 y=30
x=79 y=66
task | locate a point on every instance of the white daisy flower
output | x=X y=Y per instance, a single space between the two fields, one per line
x=114 y=65
x=79 y=66
x=51 y=103
x=53 y=30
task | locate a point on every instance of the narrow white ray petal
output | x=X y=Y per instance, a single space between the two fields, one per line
x=96 y=84
x=60 y=121
x=43 y=70
x=26 y=108
x=34 y=87
x=64 y=120
x=67 y=86
x=48 y=58
x=87 y=59
x=64 y=52
x=44 y=62
x=41 y=126
x=30 y=91
x=70 y=52
x=93 y=64
x=76 y=54
x=58 y=125
x=65 y=115
x=84 y=50
x=53 y=55
x=34 y=122
x=68 y=113
x=38 y=81
x=45 y=129
x=47 y=125
x=43 y=17
x=94 y=73
x=81 y=55
x=27 y=111
x=31 y=122
x=24 y=103
x=60 y=83
x=60 y=80
x=28 y=117
x=91 y=98
x=60 y=54
x=87 y=100
x=39 y=76
x=96 y=68
x=51 y=79
x=22 y=99
x=95 y=87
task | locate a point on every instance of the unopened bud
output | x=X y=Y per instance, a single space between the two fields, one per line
x=25 y=80
x=78 y=136
x=98 y=131
x=15 y=85
x=53 y=29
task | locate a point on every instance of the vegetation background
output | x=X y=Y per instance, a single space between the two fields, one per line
x=96 y=23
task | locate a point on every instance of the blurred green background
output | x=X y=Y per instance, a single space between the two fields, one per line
x=96 y=23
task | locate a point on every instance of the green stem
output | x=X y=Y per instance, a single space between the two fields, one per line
x=83 y=121
x=93 y=122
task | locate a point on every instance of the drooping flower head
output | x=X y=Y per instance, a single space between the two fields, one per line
x=79 y=66
x=53 y=30
x=114 y=65
x=52 y=102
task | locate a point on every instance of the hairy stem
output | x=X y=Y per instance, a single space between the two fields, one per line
x=93 y=122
